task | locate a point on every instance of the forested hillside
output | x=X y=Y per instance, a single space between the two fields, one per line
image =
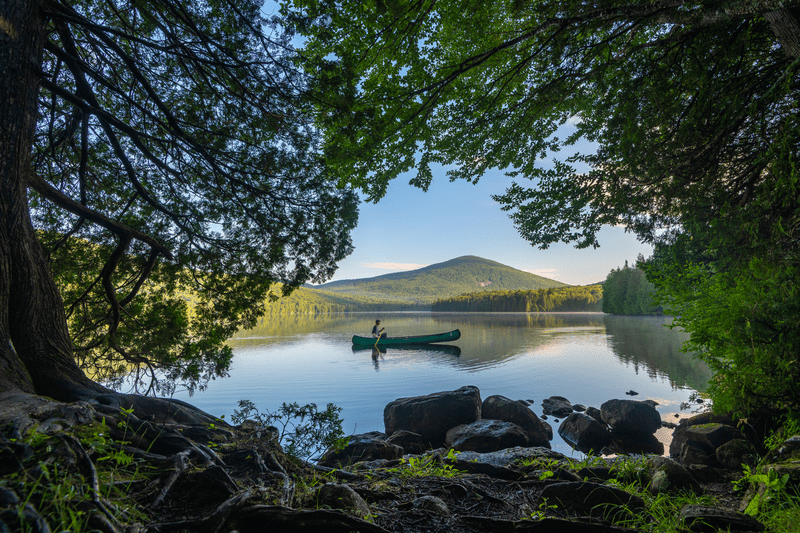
x=467 y=274
x=566 y=299
x=627 y=292
x=315 y=302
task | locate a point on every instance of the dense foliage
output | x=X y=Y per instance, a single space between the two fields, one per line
x=563 y=299
x=626 y=291
x=693 y=108
x=174 y=129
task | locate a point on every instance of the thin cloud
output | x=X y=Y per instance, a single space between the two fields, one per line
x=393 y=266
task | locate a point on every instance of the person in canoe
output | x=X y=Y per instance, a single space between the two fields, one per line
x=378 y=333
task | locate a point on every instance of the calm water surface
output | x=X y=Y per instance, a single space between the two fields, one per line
x=587 y=358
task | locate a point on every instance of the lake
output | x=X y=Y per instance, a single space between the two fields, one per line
x=586 y=357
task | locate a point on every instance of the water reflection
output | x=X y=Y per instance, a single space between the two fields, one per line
x=437 y=353
x=491 y=339
x=649 y=345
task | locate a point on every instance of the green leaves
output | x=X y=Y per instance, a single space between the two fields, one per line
x=177 y=130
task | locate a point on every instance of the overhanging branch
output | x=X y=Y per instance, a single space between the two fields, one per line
x=41 y=186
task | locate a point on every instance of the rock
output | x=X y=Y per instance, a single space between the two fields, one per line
x=595 y=413
x=549 y=430
x=579 y=408
x=586 y=498
x=630 y=417
x=735 y=453
x=412 y=443
x=342 y=497
x=557 y=406
x=508 y=456
x=501 y=408
x=643 y=443
x=432 y=504
x=679 y=436
x=632 y=393
x=701 y=519
x=584 y=433
x=694 y=453
x=712 y=435
x=668 y=476
x=486 y=436
x=432 y=415
x=364 y=447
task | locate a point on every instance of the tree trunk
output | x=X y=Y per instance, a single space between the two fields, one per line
x=786 y=27
x=35 y=348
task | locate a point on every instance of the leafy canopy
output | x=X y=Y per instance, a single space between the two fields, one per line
x=176 y=129
x=689 y=102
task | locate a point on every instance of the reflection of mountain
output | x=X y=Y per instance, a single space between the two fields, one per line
x=647 y=341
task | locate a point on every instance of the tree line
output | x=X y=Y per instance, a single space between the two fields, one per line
x=626 y=291
x=560 y=299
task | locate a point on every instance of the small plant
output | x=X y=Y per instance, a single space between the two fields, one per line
x=303 y=431
x=773 y=488
x=541 y=512
x=428 y=465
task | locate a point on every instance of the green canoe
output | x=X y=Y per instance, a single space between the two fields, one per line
x=419 y=339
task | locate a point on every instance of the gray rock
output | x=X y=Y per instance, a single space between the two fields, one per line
x=588 y=498
x=631 y=417
x=668 y=476
x=364 y=447
x=584 y=433
x=342 y=497
x=501 y=408
x=735 y=453
x=595 y=413
x=505 y=457
x=432 y=504
x=713 y=435
x=557 y=406
x=641 y=443
x=486 y=436
x=432 y=415
x=412 y=443
x=679 y=436
x=694 y=453
x=702 y=519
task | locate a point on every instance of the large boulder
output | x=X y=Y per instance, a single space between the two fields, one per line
x=586 y=498
x=557 y=406
x=668 y=476
x=501 y=408
x=631 y=417
x=699 y=443
x=486 y=436
x=411 y=443
x=432 y=415
x=584 y=433
x=679 y=436
x=365 y=447
x=337 y=496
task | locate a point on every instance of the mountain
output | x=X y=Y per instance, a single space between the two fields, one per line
x=458 y=276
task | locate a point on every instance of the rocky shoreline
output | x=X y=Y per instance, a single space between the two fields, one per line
x=446 y=462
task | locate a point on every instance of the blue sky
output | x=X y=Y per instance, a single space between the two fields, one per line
x=410 y=229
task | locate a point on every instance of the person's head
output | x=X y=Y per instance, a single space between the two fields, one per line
x=377 y=322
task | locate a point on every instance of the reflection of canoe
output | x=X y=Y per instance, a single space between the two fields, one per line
x=438 y=348
x=419 y=339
